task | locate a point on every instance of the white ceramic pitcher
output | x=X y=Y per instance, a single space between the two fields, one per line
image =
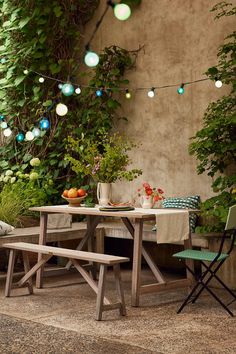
x=146 y=201
x=104 y=193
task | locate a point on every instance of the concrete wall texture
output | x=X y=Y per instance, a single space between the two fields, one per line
x=181 y=40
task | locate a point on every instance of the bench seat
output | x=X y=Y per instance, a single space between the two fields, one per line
x=46 y=252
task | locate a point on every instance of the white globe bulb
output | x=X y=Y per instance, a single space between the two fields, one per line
x=151 y=93
x=91 y=59
x=78 y=90
x=36 y=132
x=7 y=132
x=122 y=12
x=41 y=80
x=218 y=83
x=29 y=136
x=61 y=109
x=3 y=125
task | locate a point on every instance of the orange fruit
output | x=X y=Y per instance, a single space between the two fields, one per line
x=81 y=192
x=72 y=193
x=65 y=193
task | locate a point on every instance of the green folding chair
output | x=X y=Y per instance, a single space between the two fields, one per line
x=214 y=262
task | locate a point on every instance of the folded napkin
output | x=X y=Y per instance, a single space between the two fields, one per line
x=172 y=226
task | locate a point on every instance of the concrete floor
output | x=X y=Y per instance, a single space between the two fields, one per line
x=60 y=319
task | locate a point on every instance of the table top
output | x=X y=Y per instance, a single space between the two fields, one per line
x=139 y=213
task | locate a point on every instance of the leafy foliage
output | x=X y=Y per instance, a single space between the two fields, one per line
x=215 y=144
x=105 y=160
x=45 y=38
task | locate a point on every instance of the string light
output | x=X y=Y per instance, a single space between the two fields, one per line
x=181 y=89
x=26 y=72
x=3 y=125
x=99 y=93
x=2 y=117
x=29 y=136
x=127 y=94
x=60 y=86
x=36 y=132
x=61 y=109
x=151 y=93
x=20 y=137
x=67 y=89
x=218 y=83
x=78 y=91
x=44 y=124
x=7 y=132
x=91 y=59
x=3 y=60
x=41 y=80
x=122 y=12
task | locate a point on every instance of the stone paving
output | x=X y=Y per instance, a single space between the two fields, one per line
x=60 y=319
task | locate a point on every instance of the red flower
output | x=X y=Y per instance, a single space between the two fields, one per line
x=160 y=191
x=146 y=185
x=148 y=191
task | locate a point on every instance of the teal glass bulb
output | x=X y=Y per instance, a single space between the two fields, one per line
x=67 y=89
x=44 y=124
x=180 y=90
x=20 y=137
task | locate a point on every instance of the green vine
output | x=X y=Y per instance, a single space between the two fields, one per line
x=215 y=145
x=46 y=39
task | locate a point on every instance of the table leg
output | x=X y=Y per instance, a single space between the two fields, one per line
x=137 y=256
x=91 y=242
x=42 y=241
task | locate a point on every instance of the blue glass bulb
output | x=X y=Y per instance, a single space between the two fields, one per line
x=44 y=124
x=99 y=93
x=20 y=137
x=2 y=117
x=67 y=89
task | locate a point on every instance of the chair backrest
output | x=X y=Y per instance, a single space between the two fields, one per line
x=231 y=219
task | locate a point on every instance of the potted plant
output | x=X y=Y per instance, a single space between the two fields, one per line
x=104 y=161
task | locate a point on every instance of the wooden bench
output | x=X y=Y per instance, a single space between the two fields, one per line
x=103 y=303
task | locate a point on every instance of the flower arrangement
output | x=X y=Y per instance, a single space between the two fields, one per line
x=104 y=160
x=147 y=190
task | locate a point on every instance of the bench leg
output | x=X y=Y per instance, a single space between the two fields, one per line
x=11 y=262
x=27 y=268
x=101 y=291
x=119 y=289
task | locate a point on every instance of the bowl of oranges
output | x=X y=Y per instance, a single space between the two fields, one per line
x=74 y=196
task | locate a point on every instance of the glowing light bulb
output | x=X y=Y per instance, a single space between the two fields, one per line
x=67 y=89
x=7 y=132
x=3 y=125
x=41 y=80
x=78 y=91
x=181 y=90
x=2 y=117
x=60 y=86
x=122 y=12
x=44 y=124
x=61 y=109
x=3 y=60
x=127 y=94
x=20 y=137
x=218 y=83
x=91 y=59
x=99 y=93
x=26 y=72
x=36 y=132
x=151 y=93
x=29 y=136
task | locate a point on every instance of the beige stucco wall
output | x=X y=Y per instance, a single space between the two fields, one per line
x=180 y=41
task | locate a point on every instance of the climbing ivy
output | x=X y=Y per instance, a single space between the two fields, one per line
x=214 y=145
x=47 y=39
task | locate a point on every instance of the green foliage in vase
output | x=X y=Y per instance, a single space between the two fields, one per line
x=45 y=38
x=104 y=160
x=215 y=144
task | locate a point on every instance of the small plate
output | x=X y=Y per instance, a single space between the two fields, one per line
x=74 y=202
